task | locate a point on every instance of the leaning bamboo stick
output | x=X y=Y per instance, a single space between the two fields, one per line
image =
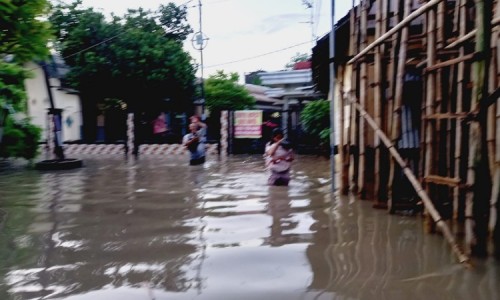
x=450 y=62
x=405 y=22
x=462 y=257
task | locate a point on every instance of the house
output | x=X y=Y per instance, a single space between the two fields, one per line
x=64 y=98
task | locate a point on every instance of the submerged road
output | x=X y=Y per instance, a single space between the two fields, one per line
x=157 y=228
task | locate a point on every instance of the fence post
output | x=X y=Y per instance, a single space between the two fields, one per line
x=224 y=127
x=50 y=146
x=129 y=147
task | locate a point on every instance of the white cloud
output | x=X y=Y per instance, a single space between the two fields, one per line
x=240 y=29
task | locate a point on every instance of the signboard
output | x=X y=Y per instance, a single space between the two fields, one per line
x=248 y=124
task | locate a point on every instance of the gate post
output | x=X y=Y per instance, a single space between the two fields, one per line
x=129 y=147
x=224 y=127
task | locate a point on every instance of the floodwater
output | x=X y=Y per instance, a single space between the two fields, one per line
x=157 y=228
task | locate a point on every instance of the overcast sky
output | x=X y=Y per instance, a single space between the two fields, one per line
x=242 y=29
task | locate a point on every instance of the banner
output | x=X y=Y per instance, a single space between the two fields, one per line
x=248 y=124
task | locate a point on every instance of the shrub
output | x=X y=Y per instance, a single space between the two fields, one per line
x=20 y=139
x=315 y=118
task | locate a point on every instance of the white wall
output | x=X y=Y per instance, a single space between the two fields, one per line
x=38 y=103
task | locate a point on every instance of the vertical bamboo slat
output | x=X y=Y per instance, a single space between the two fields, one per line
x=459 y=109
x=352 y=120
x=478 y=196
x=362 y=96
x=377 y=102
x=398 y=95
x=340 y=110
x=495 y=197
x=391 y=75
x=429 y=108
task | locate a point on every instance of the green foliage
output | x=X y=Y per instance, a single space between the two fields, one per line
x=24 y=34
x=23 y=31
x=20 y=139
x=222 y=92
x=298 y=57
x=315 y=118
x=139 y=57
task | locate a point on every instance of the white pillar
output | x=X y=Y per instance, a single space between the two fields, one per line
x=224 y=127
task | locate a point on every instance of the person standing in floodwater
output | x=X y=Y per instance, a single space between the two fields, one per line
x=279 y=156
x=194 y=141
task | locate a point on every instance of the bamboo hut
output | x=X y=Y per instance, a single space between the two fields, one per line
x=420 y=115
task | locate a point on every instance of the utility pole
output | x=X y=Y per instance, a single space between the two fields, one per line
x=199 y=41
x=310 y=5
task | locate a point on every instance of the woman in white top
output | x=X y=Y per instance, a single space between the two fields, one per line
x=279 y=156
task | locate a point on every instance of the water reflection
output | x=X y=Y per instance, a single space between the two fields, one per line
x=156 y=228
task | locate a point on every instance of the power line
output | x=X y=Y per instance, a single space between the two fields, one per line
x=257 y=56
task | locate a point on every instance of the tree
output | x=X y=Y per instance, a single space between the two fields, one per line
x=298 y=57
x=23 y=37
x=316 y=120
x=222 y=92
x=137 y=58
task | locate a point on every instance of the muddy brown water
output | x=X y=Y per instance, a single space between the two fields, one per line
x=156 y=228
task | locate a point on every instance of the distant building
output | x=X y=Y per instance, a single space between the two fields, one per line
x=64 y=98
x=292 y=89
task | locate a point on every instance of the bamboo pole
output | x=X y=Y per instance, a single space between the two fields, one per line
x=349 y=161
x=341 y=127
x=429 y=108
x=462 y=257
x=390 y=103
x=459 y=109
x=391 y=77
x=451 y=62
x=440 y=34
x=440 y=138
x=405 y=22
x=398 y=95
x=353 y=169
x=456 y=18
x=478 y=175
x=377 y=103
x=495 y=197
x=362 y=96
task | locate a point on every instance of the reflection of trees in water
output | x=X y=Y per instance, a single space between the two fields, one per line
x=15 y=218
x=102 y=231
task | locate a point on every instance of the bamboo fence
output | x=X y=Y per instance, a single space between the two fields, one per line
x=454 y=46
